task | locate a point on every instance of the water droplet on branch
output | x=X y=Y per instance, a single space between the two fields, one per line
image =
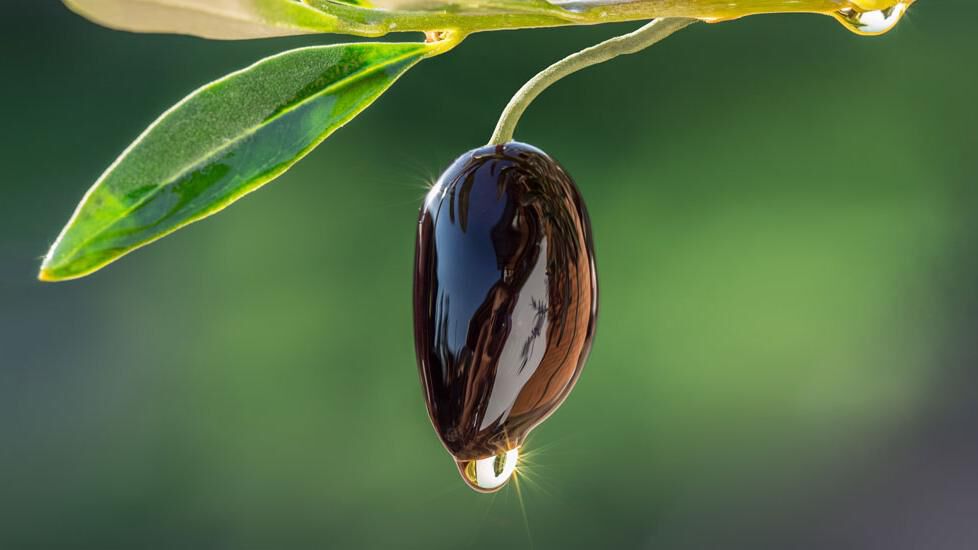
x=872 y=22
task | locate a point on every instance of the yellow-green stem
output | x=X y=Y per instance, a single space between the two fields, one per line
x=621 y=45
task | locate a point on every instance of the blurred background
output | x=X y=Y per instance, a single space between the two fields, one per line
x=785 y=225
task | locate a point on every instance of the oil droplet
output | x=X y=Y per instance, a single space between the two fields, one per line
x=872 y=22
x=488 y=475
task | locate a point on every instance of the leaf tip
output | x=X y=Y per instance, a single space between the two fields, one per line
x=48 y=273
x=57 y=275
x=47 y=276
x=51 y=273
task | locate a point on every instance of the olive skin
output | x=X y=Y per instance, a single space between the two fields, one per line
x=505 y=297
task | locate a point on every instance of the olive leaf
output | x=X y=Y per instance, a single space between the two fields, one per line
x=216 y=19
x=224 y=140
x=229 y=19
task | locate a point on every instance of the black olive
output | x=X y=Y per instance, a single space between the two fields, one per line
x=505 y=302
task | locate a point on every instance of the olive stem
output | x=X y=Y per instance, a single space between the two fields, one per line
x=632 y=42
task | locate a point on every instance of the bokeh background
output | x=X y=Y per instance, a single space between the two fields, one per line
x=785 y=226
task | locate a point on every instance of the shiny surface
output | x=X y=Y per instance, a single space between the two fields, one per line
x=505 y=297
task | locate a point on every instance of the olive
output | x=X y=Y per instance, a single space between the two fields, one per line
x=505 y=303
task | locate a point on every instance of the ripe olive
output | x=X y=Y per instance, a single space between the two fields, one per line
x=505 y=302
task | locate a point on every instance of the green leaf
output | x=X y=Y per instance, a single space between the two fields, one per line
x=224 y=140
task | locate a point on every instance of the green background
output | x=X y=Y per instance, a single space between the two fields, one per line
x=784 y=216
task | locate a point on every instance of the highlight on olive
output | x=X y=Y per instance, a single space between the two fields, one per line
x=505 y=303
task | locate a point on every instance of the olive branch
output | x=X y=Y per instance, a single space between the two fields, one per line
x=233 y=135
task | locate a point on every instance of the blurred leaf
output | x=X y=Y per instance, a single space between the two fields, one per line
x=219 y=19
x=229 y=19
x=221 y=142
